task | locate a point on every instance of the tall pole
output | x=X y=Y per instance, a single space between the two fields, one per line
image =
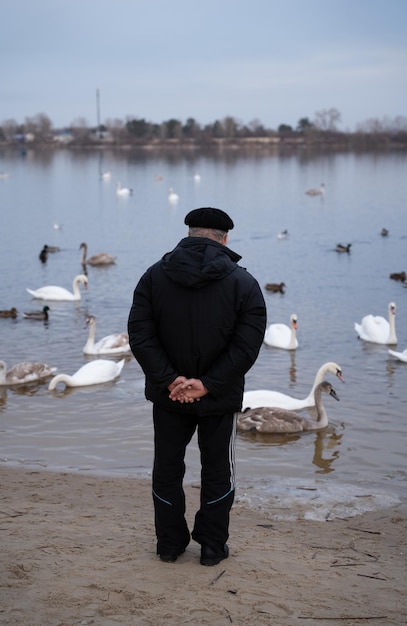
x=98 y=112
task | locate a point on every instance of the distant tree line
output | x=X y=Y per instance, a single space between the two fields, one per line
x=134 y=130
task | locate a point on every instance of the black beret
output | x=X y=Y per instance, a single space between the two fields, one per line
x=207 y=217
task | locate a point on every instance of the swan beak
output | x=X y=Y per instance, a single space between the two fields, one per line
x=339 y=375
x=333 y=394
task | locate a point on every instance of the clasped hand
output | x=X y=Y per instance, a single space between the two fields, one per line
x=184 y=389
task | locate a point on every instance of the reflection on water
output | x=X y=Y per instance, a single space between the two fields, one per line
x=3 y=398
x=325 y=443
x=268 y=439
x=326 y=440
x=108 y=428
x=293 y=369
x=27 y=389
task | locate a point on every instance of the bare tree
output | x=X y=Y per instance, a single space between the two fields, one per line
x=256 y=128
x=10 y=128
x=384 y=125
x=39 y=125
x=80 y=129
x=116 y=128
x=327 y=119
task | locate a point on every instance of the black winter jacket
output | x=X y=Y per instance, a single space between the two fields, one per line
x=196 y=313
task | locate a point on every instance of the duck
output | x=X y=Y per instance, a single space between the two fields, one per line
x=52 y=292
x=282 y=234
x=376 y=329
x=123 y=191
x=38 y=315
x=401 y=276
x=401 y=356
x=277 y=420
x=43 y=255
x=9 y=313
x=265 y=397
x=92 y=373
x=384 y=232
x=283 y=336
x=46 y=250
x=172 y=196
x=341 y=248
x=116 y=343
x=25 y=372
x=275 y=287
x=100 y=258
x=320 y=191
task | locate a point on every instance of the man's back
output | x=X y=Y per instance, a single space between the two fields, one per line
x=208 y=314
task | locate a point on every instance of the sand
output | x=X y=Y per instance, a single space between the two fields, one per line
x=80 y=549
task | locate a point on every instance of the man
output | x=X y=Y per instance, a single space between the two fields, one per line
x=196 y=326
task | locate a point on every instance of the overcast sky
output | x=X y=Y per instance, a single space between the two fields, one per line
x=271 y=60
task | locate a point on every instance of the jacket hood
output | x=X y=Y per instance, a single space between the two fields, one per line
x=197 y=261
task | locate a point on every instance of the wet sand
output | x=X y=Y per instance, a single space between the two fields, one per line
x=80 y=549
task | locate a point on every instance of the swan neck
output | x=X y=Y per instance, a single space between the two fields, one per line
x=392 y=328
x=91 y=337
x=293 y=337
x=318 y=379
x=75 y=287
x=322 y=417
x=59 y=378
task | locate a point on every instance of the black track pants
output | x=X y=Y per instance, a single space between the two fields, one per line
x=216 y=440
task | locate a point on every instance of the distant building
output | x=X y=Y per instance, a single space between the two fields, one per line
x=63 y=137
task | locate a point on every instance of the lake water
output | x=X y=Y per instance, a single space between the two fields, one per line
x=359 y=461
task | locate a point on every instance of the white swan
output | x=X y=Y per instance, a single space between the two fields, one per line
x=283 y=234
x=377 y=329
x=123 y=191
x=197 y=178
x=282 y=336
x=52 y=292
x=117 y=343
x=277 y=420
x=172 y=196
x=100 y=258
x=402 y=356
x=265 y=397
x=316 y=192
x=92 y=373
x=106 y=175
x=23 y=373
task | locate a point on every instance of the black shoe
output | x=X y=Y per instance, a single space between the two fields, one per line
x=212 y=557
x=171 y=557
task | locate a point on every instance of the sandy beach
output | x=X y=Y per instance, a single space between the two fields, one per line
x=79 y=549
